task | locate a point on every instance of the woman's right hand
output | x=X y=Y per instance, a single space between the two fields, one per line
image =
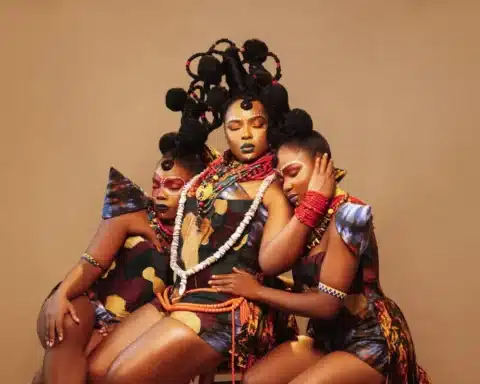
x=323 y=177
x=56 y=308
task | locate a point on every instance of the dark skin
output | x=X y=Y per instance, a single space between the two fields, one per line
x=300 y=362
x=65 y=323
x=163 y=352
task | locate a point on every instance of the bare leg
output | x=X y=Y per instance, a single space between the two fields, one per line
x=340 y=367
x=169 y=352
x=65 y=362
x=38 y=378
x=122 y=336
x=284 y=363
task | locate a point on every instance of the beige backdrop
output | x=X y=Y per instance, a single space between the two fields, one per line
x=392 y=84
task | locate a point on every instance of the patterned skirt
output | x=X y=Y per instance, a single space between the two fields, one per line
x=375 y=330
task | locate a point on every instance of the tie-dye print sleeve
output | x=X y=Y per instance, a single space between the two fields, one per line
x=122 y=196
x=354 y=224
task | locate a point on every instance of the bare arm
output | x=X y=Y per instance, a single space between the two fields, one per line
x=284 y=237
x=106 y=242
x=338 y=270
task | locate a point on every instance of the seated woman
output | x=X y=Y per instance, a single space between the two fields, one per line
x=355 y=334
x=125 y=265
x=231 y=215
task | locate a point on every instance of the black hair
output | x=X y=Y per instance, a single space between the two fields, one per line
x=246 y=79
x=313 y=144
x=297 y=132
x=181 y=148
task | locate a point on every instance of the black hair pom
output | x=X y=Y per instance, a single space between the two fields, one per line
x=192 y=136
x=275 y=99
x=176 y=99
x=262 y=76
x=210 y=69
x=255 y=51
x=298 y=123
x=168 y=143
x=217 y=97
x=246 y=104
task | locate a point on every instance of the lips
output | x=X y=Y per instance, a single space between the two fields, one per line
x=161 y=208
x=247 y=148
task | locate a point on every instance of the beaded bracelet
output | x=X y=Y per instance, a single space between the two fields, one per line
x=312 y=208
x=89 y=259
x=331 y=291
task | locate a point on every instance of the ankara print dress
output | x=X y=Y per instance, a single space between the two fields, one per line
x=139 y=269
x=370 y=325
x=264 y=328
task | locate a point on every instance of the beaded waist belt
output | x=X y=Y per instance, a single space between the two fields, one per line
x=227 y=306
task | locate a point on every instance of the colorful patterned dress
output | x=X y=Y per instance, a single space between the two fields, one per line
x=139 y=269
x=369 y=325
x=263 y=328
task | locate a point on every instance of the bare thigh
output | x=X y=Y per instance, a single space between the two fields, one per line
x=85 y=312
x=340 y=367
x=123 y=335
x=65 y=362
x=284 y=363
x=169 y=352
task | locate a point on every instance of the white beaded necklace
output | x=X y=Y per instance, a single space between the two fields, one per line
x=220 y=251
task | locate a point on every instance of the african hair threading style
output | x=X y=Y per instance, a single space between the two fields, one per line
x=245 y=78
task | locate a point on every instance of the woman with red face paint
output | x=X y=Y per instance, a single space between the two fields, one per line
x=355 y=334
x=125 y=265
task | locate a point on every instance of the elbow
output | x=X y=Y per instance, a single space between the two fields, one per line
x=269 y=269
x=328 y=310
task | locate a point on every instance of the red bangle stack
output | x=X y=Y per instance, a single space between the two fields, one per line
x=312 y=209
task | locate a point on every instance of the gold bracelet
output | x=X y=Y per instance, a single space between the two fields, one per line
x=89 y=259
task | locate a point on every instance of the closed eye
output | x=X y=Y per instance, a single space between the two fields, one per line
x=234 y=125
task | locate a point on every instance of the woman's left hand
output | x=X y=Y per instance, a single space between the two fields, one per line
x=238 y=283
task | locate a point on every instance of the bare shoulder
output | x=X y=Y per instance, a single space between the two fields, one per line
x=275 y=195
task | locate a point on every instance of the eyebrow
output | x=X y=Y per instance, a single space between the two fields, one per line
x=238 y=119
x=290 y=164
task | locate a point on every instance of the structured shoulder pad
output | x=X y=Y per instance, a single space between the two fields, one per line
x=122 y=196
x=354 y=225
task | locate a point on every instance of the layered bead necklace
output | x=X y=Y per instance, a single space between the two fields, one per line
x=207 y=186
x=221 y=175
x=163 y=232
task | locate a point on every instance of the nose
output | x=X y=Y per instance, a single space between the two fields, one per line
x=287 y=186
x=247 y=132
x=159 y=194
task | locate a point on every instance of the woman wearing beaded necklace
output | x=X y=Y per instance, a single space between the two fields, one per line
x=355 y=334
x=124 y=266
x=233 y=215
